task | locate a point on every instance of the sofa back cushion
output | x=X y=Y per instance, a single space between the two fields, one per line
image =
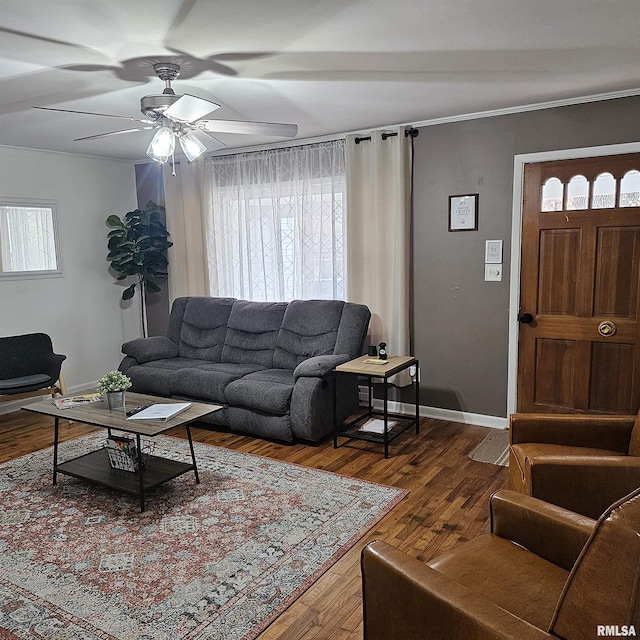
x=198 y=325
x=309 y=328
x=252 y=332
x=353 y=329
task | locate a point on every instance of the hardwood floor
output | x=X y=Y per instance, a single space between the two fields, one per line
x=447 y=503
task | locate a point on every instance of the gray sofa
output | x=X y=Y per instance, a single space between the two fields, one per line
x=267 y=363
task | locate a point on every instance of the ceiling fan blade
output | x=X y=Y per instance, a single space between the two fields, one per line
x=251 y=128
x=91 y=113
x=112 y=133
x=189 y=108
x=205 y=137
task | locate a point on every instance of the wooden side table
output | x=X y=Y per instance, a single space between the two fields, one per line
x=390 y=430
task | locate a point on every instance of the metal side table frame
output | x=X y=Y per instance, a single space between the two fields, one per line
x=359 y=367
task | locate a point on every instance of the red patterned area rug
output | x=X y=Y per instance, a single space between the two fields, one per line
x=215 y=561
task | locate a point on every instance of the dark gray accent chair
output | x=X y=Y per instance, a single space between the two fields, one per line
x=267 y=363
x=29 y=367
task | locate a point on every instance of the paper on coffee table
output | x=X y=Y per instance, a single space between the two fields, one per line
x=161 y=411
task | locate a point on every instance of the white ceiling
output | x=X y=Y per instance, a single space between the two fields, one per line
x=329 y=66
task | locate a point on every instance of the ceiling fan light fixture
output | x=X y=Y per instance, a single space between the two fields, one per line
x=162 y=145
x=191 y=146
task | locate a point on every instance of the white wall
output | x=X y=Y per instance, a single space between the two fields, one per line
x=82 y=310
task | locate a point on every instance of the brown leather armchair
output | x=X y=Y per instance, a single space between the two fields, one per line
x=542 y=572
x=581 y=462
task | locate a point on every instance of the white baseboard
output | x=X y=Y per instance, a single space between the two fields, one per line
x=10 y=407
x=450 y=415
x=477 y=419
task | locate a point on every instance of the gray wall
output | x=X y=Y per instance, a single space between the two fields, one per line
x=150 y=186
x=461 y=323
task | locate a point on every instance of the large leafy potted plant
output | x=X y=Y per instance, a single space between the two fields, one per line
x=138 y=248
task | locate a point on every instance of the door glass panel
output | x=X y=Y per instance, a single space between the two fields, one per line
x=630 y=189
x=604 y=192
x=578 y=193
x=552 y=193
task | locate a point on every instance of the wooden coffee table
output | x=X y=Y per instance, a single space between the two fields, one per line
x=95 y=466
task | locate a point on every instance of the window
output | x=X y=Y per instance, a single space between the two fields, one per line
x=630 y=189
x=552 y=194
x=578 y=194
x=604 y=192
x=275 y=223
x=28 y=240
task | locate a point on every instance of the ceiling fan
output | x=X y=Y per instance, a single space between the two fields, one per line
x=182 y=117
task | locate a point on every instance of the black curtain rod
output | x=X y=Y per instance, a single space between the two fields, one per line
x=409 y=132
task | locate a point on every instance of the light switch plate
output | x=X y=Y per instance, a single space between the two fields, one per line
x=493 y=252
x=493 y=272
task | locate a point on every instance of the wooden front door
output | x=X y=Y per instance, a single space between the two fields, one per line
x=579 y=347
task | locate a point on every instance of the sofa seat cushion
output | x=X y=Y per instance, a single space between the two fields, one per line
x=173 y=363
x=208 y=381
x=533 y=599
x=155 y=377
x=269 y=391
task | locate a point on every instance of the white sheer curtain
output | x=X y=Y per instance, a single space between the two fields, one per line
x=27 y=240
x=274 y=223
x=378 y=235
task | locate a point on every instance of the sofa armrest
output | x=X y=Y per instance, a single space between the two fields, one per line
x=319 y=366
x=148 y=349
x=551 y=532
x=405 y=599
x=595 y=432
x=584 y=484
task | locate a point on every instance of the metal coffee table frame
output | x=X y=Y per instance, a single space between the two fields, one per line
x=95 y=466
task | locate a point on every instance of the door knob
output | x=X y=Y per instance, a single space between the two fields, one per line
x=607 y=329
x=525 y=318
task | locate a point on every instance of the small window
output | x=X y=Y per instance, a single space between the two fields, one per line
x=578 y=194
x=552 y=193
x=630 y=189
x=28 y=240
x=604 y=192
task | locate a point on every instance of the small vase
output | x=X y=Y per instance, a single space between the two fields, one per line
x=115 y=399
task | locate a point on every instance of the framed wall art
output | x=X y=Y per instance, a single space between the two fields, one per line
x=463 y=212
